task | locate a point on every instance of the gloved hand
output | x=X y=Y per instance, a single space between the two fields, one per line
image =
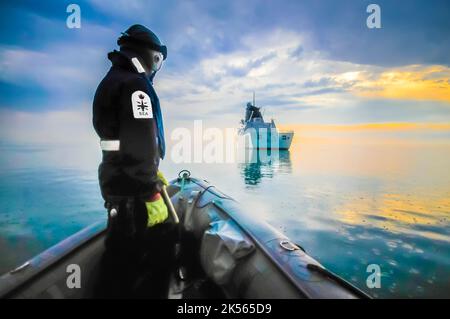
x=162 y=178
x=157 y=210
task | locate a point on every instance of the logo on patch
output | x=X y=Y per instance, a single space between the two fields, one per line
x=142 y=106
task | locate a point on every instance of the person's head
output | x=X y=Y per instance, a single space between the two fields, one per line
x=146 y=44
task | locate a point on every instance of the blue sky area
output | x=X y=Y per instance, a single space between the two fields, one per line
x=308 y=61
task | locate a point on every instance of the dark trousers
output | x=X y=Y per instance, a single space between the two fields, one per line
x=137 y=261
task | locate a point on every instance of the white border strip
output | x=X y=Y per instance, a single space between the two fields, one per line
x=138 y=65
x=110 y=145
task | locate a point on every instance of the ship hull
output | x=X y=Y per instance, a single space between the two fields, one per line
x=279 y=140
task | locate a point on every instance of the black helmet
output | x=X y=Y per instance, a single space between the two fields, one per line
x=140 y=35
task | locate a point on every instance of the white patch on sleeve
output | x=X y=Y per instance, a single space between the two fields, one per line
x=142 y=106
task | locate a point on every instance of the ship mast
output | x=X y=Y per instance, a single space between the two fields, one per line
x=254 y=98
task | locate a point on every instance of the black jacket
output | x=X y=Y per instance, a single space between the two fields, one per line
x=123 y=117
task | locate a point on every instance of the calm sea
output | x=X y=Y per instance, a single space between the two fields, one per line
x=349 y=200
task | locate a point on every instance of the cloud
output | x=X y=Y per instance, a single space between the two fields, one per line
x=67 y=72
x=298 y=52
x=408 y=83
x=65 y=79
x=313 y=88
x=125 y=8
x=201 y=28
x=220 y=53
x=18 y=65
x=47 y=128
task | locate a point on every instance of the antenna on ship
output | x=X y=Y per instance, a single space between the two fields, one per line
x=254 y=98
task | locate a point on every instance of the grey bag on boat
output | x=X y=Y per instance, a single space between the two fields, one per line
x=223 y=246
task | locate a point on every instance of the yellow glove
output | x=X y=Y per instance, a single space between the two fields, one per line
x=156 y=210
x=162 y=178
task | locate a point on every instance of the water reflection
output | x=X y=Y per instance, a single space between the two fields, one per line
x=412 y=214
x=350 y=201
x=263 y=164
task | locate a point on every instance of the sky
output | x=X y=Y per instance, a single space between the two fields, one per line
x=309 y=62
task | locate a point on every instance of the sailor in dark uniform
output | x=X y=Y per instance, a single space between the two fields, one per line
x=127 y=118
